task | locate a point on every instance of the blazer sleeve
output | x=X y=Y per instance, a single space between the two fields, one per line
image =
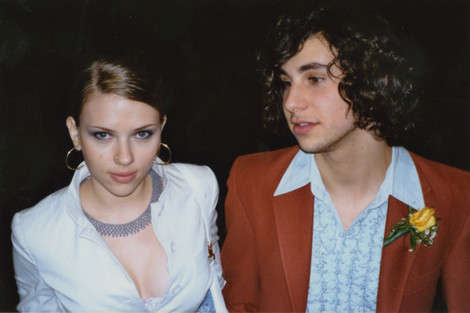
x=204 y=184
x=239 y=252
x=35 y=294
x=211 y=200
x=456 y=271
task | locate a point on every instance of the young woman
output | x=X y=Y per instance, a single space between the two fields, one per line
x=130 y=232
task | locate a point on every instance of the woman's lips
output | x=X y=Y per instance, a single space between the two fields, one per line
x=303 y=127
x=123 y=177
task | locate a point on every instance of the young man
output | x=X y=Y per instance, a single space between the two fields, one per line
x=306 y=225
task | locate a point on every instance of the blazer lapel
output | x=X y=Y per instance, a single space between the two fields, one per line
x=396 y=261
x=293 y=213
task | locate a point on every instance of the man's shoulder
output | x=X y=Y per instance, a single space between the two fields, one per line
x=440 y=173
x=256 y=176
x=264 y=162
x=260 y=172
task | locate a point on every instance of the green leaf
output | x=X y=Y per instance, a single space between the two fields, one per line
x=399 y=226
x=411 y=210
x=413 y=240
x=421 y=235
x=393 y=236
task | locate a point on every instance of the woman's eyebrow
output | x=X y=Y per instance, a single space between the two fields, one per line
x=100 y=128
x=146 y=126
x=110 y=130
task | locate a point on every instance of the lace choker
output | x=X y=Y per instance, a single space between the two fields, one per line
x=135 y=226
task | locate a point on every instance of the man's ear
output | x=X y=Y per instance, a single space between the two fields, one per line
x=73 y=132
x=164 y=119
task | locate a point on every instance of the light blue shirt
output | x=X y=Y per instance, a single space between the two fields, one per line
x=345 y=265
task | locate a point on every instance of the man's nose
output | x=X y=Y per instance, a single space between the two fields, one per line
x=295 y=98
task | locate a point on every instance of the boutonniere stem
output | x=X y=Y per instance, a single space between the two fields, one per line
x=422 y=226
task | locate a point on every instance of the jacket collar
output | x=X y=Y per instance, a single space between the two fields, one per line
x=73 y=204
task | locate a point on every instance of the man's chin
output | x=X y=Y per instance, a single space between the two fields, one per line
x=310 y=148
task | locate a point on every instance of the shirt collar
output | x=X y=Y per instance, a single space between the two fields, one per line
x=297 y=174
x=401 y=180
x=406 y=184
x=74 y=206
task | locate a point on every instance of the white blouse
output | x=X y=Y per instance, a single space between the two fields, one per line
x=63 y=264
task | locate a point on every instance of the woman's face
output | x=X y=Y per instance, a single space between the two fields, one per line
x=119 y=139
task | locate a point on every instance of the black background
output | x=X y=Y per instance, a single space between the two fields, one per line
x=210 y=48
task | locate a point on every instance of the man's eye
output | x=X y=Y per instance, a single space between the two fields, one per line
x=316 y=79
x=143 y=134
x=101 y=135
x=285 y=83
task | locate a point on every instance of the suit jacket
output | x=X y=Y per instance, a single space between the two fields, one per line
x=62 y=264
x=267 y=252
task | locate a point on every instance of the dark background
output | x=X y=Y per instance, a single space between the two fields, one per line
x=210 y=47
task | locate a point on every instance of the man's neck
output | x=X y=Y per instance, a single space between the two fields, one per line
x=352 y=174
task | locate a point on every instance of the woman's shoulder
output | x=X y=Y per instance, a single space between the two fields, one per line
x=42 y=213
x=200 y=178
x=198 y=172
x=195 y=175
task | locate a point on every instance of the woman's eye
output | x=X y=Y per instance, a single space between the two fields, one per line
x=143 y=134
x=101 y=135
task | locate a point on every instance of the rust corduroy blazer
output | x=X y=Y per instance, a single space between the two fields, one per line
x=267 y=251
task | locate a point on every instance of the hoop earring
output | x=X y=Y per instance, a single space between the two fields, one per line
x=67 y=160
x=169 y=155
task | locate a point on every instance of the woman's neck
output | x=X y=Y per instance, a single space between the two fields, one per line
x=106 y=207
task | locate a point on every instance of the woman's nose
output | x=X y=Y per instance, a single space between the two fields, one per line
x=123 y=154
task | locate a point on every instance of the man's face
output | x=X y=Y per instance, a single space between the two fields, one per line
x=316 y=114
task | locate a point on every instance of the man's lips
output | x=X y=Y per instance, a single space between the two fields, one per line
x=301 y=128
x=123 y=177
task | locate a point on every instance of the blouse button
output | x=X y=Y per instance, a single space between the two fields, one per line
x=177 y=288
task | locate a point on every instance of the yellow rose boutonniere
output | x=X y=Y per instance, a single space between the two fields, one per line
x=422 y=226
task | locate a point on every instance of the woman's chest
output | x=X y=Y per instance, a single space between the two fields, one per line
x=87 y=275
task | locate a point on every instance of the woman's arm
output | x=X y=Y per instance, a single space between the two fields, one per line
x=35 y=294
x=212 y=199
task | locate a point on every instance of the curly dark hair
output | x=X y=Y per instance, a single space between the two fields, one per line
x=377 y=82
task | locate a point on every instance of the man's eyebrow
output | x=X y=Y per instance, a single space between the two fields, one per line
x=306 y=67
x=312 y=66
